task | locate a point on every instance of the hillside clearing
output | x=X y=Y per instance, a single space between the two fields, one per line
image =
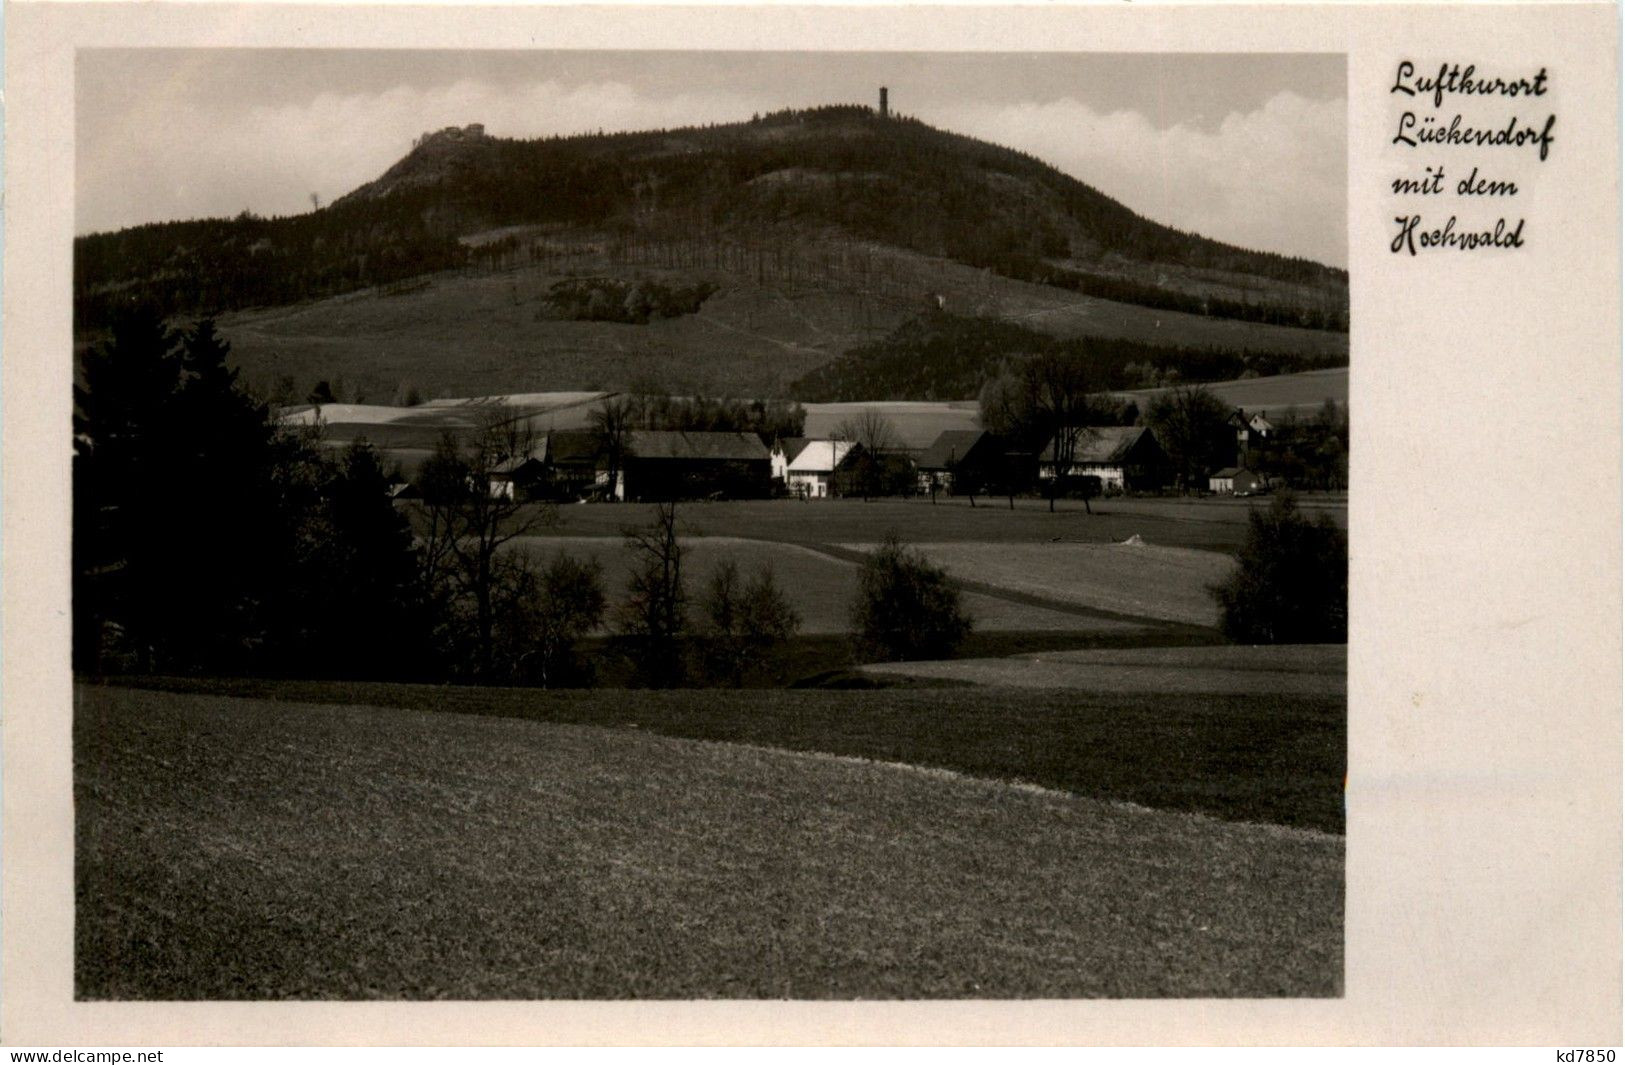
x=241 y=849
x=752 y=338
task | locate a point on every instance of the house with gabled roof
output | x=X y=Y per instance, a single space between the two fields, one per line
x=960 y=460
x=1126 y=458
x=815 y=471
x=521 y=476
x=667 y=464
x=1235 y=480
x=1251 y=431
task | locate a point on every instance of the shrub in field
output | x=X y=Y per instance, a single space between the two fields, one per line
x=1291 y=580
x=745 y=621
x=906 y=608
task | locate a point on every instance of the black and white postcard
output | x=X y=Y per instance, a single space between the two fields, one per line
x=855 y=519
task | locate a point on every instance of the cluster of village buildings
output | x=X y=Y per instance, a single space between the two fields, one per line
x=651 y=465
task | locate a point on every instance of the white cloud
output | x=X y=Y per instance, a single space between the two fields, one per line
x=1271 y=178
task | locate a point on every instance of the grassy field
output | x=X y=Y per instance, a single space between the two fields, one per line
x=251 y=849
x=1167 y=583
x=747 y=340
x=1274 y=758
x=917 y=424
x=1317 y=670
x=820 y=587
x=1303 y=392
x=1212 y=526
x=1229 y=509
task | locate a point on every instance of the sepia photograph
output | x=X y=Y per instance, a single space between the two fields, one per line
x=667 y=525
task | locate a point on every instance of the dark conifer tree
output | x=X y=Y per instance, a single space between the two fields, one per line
x=123 y=448
x=225 y=523
x=206 y=539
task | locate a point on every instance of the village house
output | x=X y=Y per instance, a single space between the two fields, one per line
x=572 y=464
x=1126 y=458
x=1250 y=433
x=782 y=453
x=524 y=476
x=1235 y=480
x=813 y=473
x=662 y=465
x=960 y=460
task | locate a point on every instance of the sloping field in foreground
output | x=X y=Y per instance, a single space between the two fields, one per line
x=240 y=849
x=1276 y=759
x=1318 y=670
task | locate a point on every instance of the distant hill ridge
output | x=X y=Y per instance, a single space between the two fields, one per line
x=783 y=178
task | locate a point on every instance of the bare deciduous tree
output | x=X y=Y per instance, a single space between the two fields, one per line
x=1191 y=424
x=1057 y=388
x=471 y=514
x=652 y=620
x=555 y=606
x=878 y=446
x=612 y=423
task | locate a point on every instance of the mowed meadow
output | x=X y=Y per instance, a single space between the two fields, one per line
x=1097 y=798
x=238 y=848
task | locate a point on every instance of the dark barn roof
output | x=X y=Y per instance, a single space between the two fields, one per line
x=950 y=446
x=792 y=446
x=514 y=463
x=572 y=448
x=712 y=447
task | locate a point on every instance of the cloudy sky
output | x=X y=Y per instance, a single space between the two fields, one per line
x=1245 y=148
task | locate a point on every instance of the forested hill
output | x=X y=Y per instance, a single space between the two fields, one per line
x=782 y=178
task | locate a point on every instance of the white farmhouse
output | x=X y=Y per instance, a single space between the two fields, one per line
x=812 y=472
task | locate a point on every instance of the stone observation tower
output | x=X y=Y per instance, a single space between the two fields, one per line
x=883 y=111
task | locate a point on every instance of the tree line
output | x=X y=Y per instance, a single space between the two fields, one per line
x=1330 y=314
x=605 y=299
